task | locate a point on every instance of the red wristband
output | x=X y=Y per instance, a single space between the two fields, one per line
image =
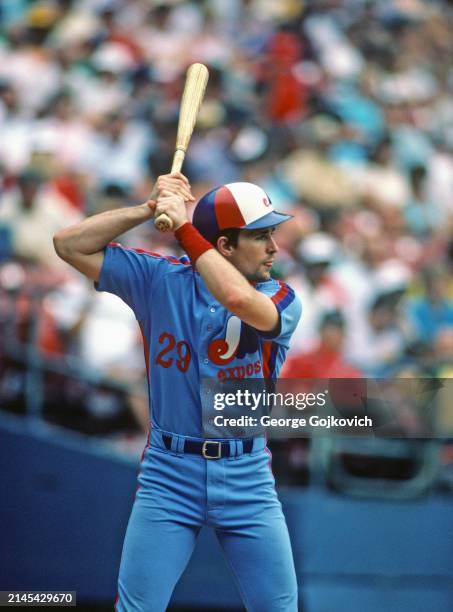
x=192 y=241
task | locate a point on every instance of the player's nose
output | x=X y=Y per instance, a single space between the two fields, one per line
x=272 y=246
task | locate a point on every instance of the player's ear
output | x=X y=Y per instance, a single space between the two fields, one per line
x=224 y=246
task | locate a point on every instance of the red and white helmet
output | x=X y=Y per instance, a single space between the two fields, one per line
x=235 y=205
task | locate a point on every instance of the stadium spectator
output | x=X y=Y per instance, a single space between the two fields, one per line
x=30 y=211
x=432 y=313
x=327 y=360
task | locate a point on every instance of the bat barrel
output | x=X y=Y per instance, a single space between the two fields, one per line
x=196 y=81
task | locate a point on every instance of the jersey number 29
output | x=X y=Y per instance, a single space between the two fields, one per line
x=182 y=351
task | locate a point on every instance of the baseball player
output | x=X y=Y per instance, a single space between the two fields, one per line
x=204 y=315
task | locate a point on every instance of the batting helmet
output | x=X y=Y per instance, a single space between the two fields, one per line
x=239 y=205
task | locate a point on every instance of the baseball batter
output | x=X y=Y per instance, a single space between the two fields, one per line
x=204 y=315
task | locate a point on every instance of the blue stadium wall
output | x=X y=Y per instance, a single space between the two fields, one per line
x=65 y=501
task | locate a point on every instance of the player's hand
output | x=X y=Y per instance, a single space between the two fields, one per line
x=173 y=206
x=175 y=184
x=151 y=205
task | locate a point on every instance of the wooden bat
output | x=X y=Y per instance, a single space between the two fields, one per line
x=194 y=88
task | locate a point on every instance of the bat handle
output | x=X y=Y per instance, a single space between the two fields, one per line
x=178 y=159
x=163 y=221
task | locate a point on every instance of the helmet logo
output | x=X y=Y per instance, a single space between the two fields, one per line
x=266 y=202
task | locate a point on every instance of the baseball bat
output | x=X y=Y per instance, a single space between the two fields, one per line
x=194 y=88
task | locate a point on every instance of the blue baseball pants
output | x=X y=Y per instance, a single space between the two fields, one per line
x=179 y=493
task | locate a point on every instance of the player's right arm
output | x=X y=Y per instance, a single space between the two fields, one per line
x=82 y=245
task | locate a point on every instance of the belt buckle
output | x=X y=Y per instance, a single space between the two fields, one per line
x=204 y=450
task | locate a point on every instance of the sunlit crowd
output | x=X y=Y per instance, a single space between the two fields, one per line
x=341 y=110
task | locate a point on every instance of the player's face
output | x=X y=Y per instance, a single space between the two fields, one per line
x=254 y=254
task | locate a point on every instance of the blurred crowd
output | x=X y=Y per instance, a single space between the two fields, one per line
x=341 y=110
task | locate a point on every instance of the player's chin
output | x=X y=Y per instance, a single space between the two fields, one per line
x=259 y=276
x=264 y=275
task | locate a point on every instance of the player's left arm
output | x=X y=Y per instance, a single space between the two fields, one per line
x=234 y=292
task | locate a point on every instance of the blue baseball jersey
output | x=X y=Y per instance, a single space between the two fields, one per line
x=188 y=335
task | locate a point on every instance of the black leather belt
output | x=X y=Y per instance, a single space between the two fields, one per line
x=209 y=449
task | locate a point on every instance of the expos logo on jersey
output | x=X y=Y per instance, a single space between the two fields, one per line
x=239 y=341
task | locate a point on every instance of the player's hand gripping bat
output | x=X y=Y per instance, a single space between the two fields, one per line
x=196 y=81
